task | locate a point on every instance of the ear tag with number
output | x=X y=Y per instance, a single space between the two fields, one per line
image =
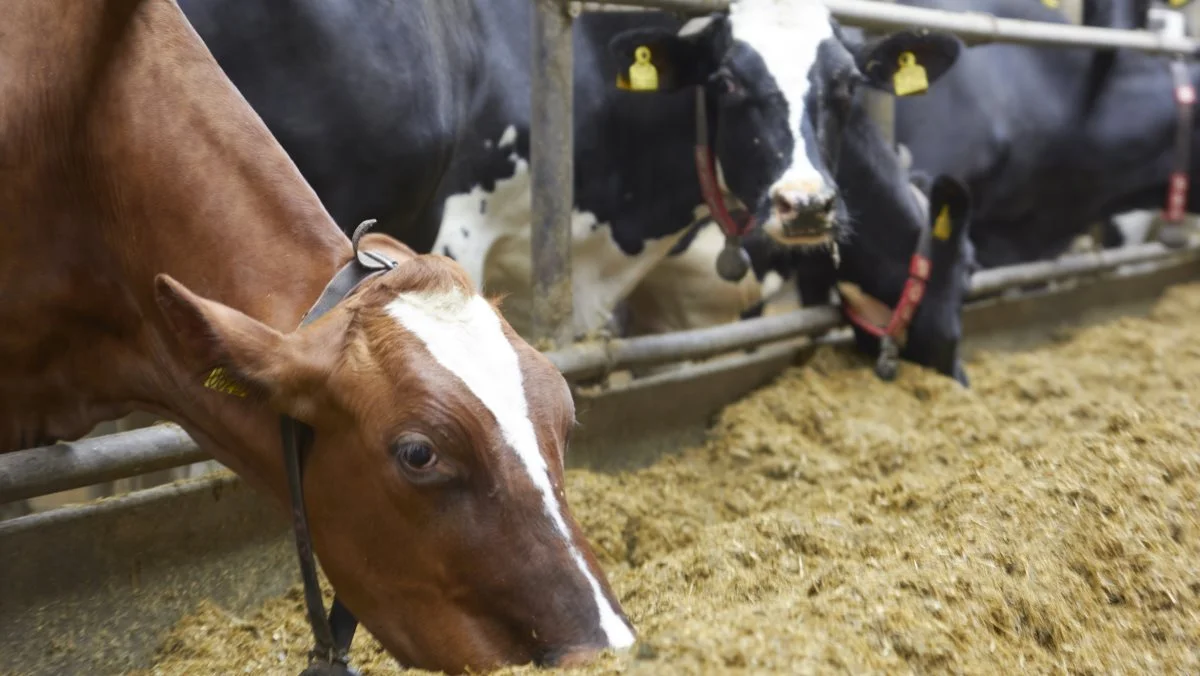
x=941 y=227
x=643 y=76
x=910 y=78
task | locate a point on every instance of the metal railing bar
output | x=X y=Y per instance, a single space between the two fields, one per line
x=971 y=27
x=41 y=471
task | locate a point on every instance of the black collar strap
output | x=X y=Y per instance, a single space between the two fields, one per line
x=333 y=634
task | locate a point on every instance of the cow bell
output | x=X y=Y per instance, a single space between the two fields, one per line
x=1173 y=235
x=733 y=262
x=888 y=364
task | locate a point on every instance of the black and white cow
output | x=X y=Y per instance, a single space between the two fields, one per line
x=890 y=217
x=418 y=114
x=1041 y=162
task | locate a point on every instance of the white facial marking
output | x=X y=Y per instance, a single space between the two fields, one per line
x=787 y=34
x=508 y=138
x=464 y=335
x=695 y=26
x=488 y=233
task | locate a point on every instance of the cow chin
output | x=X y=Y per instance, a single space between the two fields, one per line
x=454 y=641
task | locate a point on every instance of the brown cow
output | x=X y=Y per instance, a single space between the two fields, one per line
x=151 y=229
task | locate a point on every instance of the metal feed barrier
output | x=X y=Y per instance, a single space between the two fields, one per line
x=154 y=553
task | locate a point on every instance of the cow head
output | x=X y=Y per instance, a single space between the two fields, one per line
x=434 y=483
x=874 y=275
x=780 y=81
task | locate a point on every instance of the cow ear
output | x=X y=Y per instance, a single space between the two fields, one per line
x=880 y=59
x=239 y=355
x=949 y=210
x=686 y=58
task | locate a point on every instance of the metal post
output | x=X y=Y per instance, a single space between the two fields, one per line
x=1072 y=10
x=1191 y=17
x=552 y=172
x=881 y=107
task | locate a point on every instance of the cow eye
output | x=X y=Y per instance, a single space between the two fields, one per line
x=416 y=455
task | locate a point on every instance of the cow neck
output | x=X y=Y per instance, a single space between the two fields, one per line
x=197 y=188
x=872 y=168
x=891 y=335
x=1177 y=189
x=1166 y=93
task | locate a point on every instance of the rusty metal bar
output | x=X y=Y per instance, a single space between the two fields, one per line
x=881 y=108
x=42 y=471
x=552 y=172
x=971 y=27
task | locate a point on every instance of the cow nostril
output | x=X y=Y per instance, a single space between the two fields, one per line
x=785 y=205
x=825 y=204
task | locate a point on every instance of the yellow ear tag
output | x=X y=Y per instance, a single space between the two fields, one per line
x=910 y=78
x=941 y=227
x=221 y=382
x=1177 y=3
x=1054 y=4
x=643 y=76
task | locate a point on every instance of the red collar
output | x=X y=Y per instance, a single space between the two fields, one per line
x=706 y=170
x=1177 y=187
x=919 y=268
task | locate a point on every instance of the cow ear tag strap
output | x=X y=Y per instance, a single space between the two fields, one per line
x=910 y=78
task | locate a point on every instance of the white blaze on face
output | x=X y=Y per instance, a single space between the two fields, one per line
x=464 y=335
x=787 y=35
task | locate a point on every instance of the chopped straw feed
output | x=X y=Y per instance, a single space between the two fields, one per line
x=1043 y=521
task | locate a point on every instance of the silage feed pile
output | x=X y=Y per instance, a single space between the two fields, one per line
x=1044 y=521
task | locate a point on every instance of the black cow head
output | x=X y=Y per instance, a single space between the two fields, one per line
x=933 y=336
x=779 y=80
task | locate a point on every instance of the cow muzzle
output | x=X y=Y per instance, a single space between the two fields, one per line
x=571 y=658
x=802 y=217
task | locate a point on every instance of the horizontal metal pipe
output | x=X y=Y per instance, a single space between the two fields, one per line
x=978 y=27
x=971 y=27
x=50 y=469
x=40 y=471
x=586 y=360
x=1074 y=265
